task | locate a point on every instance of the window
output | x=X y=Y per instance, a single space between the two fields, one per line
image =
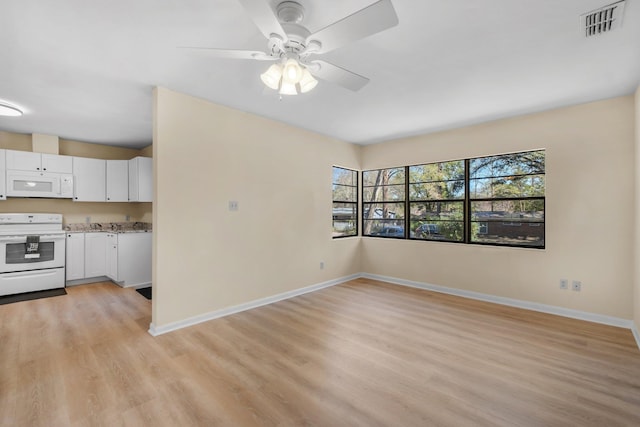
x=383 y=203
x=436 y=201
x=495 y=200
x=506 y=199
x=345 y=202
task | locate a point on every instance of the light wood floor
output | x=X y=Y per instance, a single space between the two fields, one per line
x=363 y=353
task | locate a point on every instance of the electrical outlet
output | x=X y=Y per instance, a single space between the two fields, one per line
x=88 y=220
x=576 y=285
x=233 y=205
x=127 y=218
x=564 y=284
x=321 y=265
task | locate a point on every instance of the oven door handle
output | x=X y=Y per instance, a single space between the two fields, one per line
x=23 y=239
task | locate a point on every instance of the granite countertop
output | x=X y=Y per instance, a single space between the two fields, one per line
x=109 y=227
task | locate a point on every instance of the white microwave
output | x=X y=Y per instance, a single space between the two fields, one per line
x=39 y=184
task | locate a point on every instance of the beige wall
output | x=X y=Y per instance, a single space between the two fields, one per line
x=76 y=211
x=589 y=211
x=636 y=295
x=207 y=258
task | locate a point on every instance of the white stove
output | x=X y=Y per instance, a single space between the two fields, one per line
x=32 y=252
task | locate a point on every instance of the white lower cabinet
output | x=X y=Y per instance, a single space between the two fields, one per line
x=95 y=254
x=112 y=256
x=124 y=258
x=129 y=258
x=75 y=256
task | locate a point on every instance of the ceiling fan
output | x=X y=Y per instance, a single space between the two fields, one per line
x=294 y=48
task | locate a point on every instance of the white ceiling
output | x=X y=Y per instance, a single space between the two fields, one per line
x=85 y=70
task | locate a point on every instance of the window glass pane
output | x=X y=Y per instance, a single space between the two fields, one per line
x=383 y=211
x=527 y=163
x=380 y=177
x=431 y=211
x=345 y=194
x=345 y=202
x=437 y=190
x=443 y=171
x=387 y=193
x=383 y=228
x=378 y=217
x=514 y=233
x=345 y=176
x=452 y=231
x=521 y=210
x=508 y=222
x=344 y=219
x=504 y=187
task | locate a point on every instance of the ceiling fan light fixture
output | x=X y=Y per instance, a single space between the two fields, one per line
x=292 y=71
x=307 y=82
x=9 y=110
x=272 y=76
x=287 y=88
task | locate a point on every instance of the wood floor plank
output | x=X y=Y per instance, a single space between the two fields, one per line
x=364 y=353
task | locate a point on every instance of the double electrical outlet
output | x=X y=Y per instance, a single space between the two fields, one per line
x=576 y=285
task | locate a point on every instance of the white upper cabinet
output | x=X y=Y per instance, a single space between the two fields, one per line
x=90 y=179
x=141 y=179
x=3 y=175
x=29 y=161
x=117 y=180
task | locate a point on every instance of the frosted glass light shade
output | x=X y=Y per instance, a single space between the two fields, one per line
x=292 y=72
x=288 y=88
x=272 y=76
x=307 y=82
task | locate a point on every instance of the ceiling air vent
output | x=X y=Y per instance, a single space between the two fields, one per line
x=602 y=20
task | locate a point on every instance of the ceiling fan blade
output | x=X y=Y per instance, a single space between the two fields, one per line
x=230 y=53
x=264 y=18
x=333 y=73
x=363 y=23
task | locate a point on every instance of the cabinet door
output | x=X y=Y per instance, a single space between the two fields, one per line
x=75 y=256
x=23 y=160
x=141 y=179
x=117 y=180
x=134 y=258
x=3 y=175
x=56 y=163
x=90 y=179
x=112 y=256
x=95 y=254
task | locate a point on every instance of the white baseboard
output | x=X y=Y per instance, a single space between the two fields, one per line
x=544 y=308
x=159 y=330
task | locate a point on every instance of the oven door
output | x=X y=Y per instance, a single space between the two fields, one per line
x=15 y=257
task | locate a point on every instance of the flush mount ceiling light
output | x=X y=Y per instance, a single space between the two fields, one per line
x=9 y=110
x=289 y=78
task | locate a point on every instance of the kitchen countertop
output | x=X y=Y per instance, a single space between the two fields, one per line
x=108 y=231
x=109 y=227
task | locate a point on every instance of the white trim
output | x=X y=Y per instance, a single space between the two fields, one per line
x=636 y=334
x=544 y=308
x=159 y=330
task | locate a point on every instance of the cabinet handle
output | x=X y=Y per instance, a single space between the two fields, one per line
x=37 y=169
x=44 y=169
